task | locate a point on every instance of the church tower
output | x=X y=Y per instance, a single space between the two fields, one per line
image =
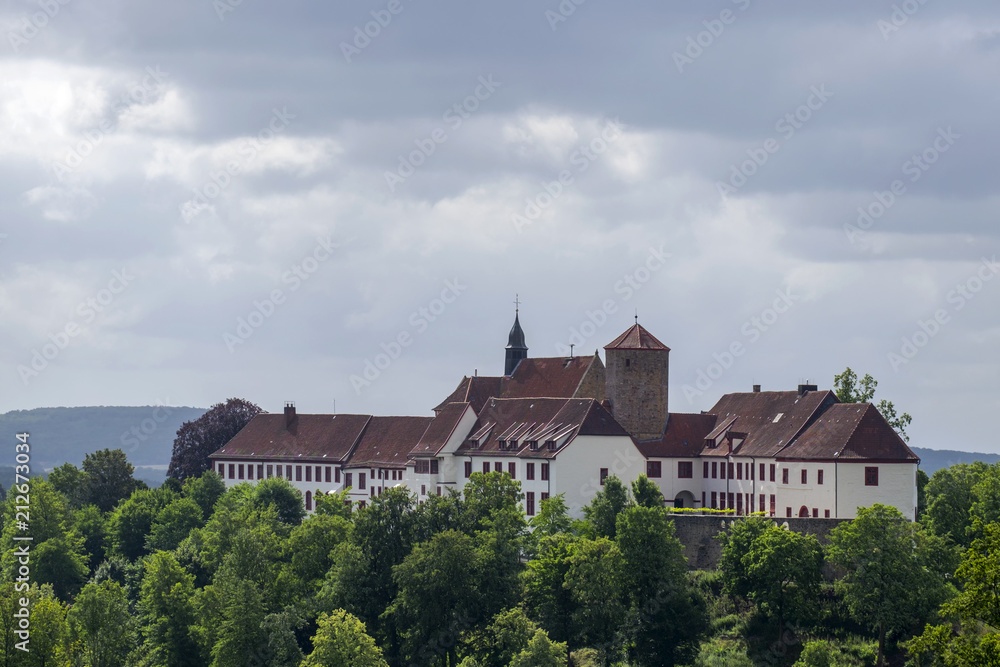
x=516 y=348
x=638 y=367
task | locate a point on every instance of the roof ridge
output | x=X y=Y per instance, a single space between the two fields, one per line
x=807 y=422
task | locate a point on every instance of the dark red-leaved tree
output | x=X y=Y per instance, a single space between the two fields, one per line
x=197 y=439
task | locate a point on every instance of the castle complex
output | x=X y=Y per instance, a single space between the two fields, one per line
x=562 y=425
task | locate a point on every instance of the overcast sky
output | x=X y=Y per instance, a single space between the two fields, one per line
x=206 y=199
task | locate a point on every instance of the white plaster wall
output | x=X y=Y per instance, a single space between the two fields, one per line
x=897 y=486
x=812 y=495
x=576 y=471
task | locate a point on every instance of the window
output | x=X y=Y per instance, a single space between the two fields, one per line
x=241 y=470
x=545 y=472
x=771 y=476
x=760 y=503
x=362 y=481
x=762 y=475
x=715 y=500
x=270 y=471
x=730 y=502
x=871 y=476
x=373 y=473
x=309 y=500
x=529 y=503
x=422 y=467
x=604 y=475
x=551 y=444
x=654 y=469
x=222 y=470
x=749 y=471
x=805 y=476
x=279 y=471
x=784 y=475
x=361 y=504
x=319 y=471
x=434 y=466
x=826 y=514
x=722 y=501
x=372 y=492
x=288 y=472
x=250 y=471
x=298 y=473
x=486 y=467
x=327 y=474
x=628 y=362
x=815 y=513
x=819 y=476
x=348 y=479
x=730 y=466
x=336 y=475
x=423 y=489
x=715 y=467
x=722 y=470
x=685 y=469
x=498 y=467
x=468 y=469
x=702 y=498
x=512 y=469
x=739 y=471
x=260 y=471
x=739 y=503
x=545 y=496
x=309 y=473
x=788 y=512
x=232 y=471
x=529 y=471
x=774 y=505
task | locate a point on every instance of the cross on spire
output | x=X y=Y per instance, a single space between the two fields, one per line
x=517 y=303
x=637 y=316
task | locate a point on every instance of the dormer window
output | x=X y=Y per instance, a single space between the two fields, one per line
x=533 y=445
x=502 y=444
x=551 y=444
x=512 y=444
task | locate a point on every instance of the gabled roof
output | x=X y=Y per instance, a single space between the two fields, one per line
x=541 y=418
x=771 y=419
x=850 y=432
x=684 y=436
x=440 y=430
x=474 y=390
x=328 y=437
x=388 y=440
x=636 y=338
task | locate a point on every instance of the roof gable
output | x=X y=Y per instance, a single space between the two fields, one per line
x=850 y=431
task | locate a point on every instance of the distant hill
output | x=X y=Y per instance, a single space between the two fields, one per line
x=60 y=435
x=932 y=460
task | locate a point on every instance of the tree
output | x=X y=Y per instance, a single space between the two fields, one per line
x=849 y=390
x=668 y=616
x=48 y=626
x=133 y=519
x=68 y=480
x=239 y=640
x=92 y=526
x=646 y=493
x=173 y=523
x=507 y=634
x=311 y=546
x=168 y=614
x=548 y=600
x=285 y=498
x=976 y=608
x=198 y=439
x=59 y=561
x=282 y=647
x=736 y=542
x=891 y=579
x=206 y=489
x=335 y=504
x=608 y=503
x=492 y=498
x=107 y=479
x=438 y=597
x=951 y=493
x=341 y=641
x=784 y=568
x=541 y=652
x=101 y=623
x=595 y=581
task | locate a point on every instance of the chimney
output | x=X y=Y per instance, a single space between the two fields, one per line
x=756 y=389
x=289 y=413
x=805 y=388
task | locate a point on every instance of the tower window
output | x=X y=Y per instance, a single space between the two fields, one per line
x=628 y=362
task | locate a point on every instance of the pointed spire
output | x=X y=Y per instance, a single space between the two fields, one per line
x=517 y=348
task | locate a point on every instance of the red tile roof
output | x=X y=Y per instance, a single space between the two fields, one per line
x=387 y=441
x=325 y=437
x=636 y=338
x=541 y=419
x=771 y=419
x=475 y=390
x=440 y=430
x=684 y=436
x=850 y=432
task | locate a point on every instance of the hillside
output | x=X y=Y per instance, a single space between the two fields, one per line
x=58 y=435
x=932 y=460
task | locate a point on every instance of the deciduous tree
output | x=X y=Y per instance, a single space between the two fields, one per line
x=198 y=439
x=342 y=641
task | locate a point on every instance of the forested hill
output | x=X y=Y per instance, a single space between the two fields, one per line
x=932 y=460
x=60 y=435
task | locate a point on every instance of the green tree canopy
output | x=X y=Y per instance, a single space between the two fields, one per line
x=602 y=512
x=196 y=440
x=341 y=641
x=849 y=389
x=103 y=626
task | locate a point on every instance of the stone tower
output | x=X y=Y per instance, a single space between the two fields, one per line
x=516 y=347
x=638 y=367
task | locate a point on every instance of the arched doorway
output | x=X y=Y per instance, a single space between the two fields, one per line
x=684 y=499
x=804 y=512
